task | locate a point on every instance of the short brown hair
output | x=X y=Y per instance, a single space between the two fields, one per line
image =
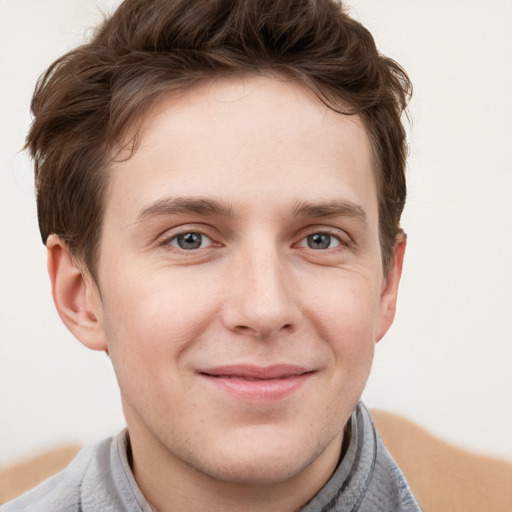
x=87 y=99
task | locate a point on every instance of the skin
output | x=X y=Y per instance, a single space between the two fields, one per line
x=261 y=172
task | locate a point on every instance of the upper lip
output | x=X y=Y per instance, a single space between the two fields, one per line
x=277 y=371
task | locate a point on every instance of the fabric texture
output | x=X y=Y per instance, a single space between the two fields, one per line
x=100 y=479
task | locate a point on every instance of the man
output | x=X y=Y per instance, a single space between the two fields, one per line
x=220 y=185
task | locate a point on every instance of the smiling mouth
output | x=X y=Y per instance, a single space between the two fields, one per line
x=257 y=383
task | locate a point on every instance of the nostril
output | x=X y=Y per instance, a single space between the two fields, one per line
x=262 y=331
x=244 y=328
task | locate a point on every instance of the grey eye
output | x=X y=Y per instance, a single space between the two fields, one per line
x=189 y=241
x=319 y=241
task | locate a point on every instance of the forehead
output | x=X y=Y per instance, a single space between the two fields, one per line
x=245 y=140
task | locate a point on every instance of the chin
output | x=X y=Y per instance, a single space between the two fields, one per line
x=257 y=470
x=260 y=458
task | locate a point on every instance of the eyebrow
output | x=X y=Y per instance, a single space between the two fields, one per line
x=202 y=206
x=336 y=208
x=183 y=206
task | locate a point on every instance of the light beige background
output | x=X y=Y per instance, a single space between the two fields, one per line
x=446 y=363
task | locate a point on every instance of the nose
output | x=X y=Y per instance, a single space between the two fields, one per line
x=261 y=295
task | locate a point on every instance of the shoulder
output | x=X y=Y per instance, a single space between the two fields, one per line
x=442 y=475
x=61 y=492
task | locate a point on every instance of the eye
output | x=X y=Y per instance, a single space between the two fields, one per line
x=320 y=241
x=190 y=241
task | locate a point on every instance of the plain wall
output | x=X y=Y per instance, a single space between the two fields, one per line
x=447 y=361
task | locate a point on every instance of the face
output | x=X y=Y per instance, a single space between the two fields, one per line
x=241 y=289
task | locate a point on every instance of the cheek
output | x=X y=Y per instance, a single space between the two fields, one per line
x=345 y=315
x=152 y=319
x=346 y=309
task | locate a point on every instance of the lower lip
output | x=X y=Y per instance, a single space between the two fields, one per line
x=258 y=390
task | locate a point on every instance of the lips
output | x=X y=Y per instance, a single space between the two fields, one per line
x=249 y=382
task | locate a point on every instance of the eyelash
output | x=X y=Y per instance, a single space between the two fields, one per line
x=344 y=240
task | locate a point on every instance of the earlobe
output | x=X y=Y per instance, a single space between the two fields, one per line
x=75 y=295
x=390 y=290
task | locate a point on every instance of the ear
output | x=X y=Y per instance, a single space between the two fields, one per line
x=76 y=296
x=387 y=307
